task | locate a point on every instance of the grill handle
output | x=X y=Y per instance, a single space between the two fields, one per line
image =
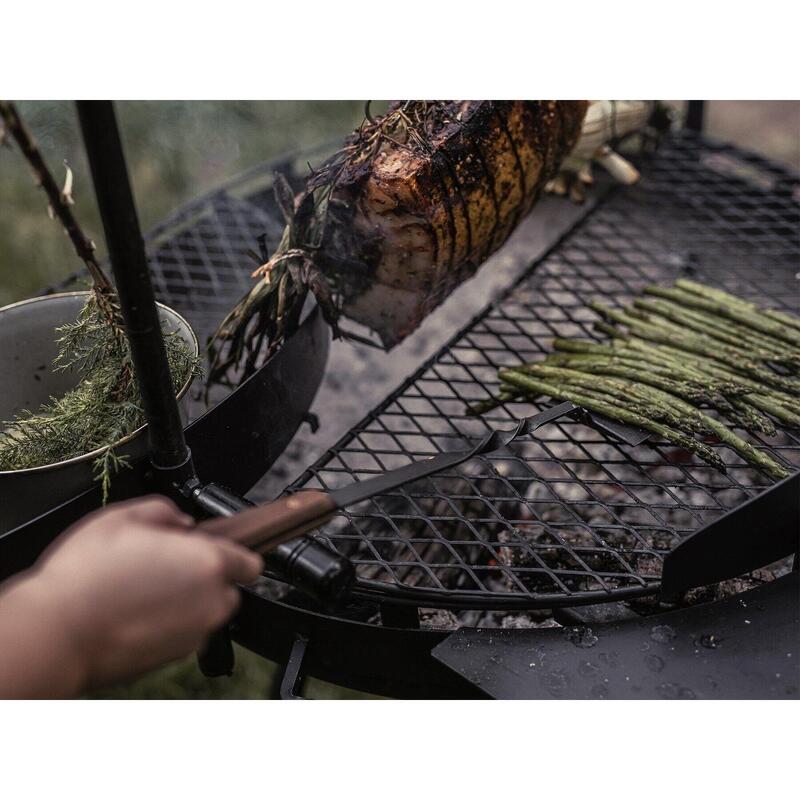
x=263 y=528
x=305 y=563
x=310 y=566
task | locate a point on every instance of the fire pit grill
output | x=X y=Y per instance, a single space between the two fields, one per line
x=566 y=519
x=569 y=516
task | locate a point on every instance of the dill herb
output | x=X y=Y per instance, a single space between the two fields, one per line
x=104 y=407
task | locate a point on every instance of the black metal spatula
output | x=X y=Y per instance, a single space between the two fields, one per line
x=291 y=516
x=299 y=513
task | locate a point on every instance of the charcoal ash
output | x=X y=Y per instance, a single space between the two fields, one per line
x=735 y=586
x=438 y=619
x=526 y=621
x=519 y=523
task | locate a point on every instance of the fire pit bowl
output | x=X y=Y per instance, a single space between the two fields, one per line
x=27 y=350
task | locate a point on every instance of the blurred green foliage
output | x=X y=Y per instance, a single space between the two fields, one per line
x=175 y=151
x=252 y=680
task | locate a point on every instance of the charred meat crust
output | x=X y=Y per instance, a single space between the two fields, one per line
x=406 y=210
x=475 y=169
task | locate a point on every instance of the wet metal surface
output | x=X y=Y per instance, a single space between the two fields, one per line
x=743 y=647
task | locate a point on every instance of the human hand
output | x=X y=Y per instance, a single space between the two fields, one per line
x=134 y=586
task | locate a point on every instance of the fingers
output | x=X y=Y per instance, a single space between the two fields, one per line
x=154 y=509
x=223 y=609
x=230 y=602
x=238 y=564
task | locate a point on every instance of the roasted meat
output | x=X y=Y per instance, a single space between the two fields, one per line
x=410 y=207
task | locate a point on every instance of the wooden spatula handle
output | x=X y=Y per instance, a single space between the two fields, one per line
x=263 y=527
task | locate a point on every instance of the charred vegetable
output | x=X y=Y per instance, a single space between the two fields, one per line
x=608 y=123
x=694 y=346
x=409 y=208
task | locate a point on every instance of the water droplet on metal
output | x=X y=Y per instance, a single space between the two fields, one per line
x=581 y=637
x=587 y=669
x=555 y=682
x=708 y=640
x=654 y=663
x=609 y=659
x=538 y=654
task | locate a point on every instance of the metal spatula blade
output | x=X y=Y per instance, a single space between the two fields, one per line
x=619 y=430
x=380 y=484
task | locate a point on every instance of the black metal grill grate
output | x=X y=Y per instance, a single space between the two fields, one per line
x=202 y=269
x=568 y=516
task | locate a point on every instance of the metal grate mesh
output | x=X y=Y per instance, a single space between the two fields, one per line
x=568 y=516
x=199 y=256
x=202 y=270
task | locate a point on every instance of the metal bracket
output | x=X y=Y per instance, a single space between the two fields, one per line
x=291 y=687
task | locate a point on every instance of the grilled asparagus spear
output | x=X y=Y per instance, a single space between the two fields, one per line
x=714 y=350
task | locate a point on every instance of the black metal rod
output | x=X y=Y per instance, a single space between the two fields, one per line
x=168 y=450
x=695 y=114
x=169 y=453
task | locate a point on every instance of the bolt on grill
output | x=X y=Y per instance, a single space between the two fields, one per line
x=567 y=516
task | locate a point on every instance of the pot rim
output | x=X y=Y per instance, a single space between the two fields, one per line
x=125 y=439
